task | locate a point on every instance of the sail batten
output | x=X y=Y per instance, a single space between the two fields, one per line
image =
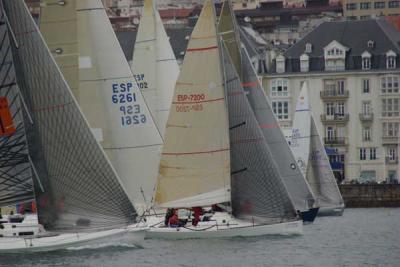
x=195 y=164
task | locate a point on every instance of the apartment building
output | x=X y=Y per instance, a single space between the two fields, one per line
x=367 y=9
x=353 y=70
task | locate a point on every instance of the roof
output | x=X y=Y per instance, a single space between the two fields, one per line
x=179 y=38
x=352 y=34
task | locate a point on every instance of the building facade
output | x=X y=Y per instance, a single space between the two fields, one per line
x=367 y=9
x=353 y=77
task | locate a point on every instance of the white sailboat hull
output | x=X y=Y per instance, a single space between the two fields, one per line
x=218 y=229
x=331 y=211
x=132 y=235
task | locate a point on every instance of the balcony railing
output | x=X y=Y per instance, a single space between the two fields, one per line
x=334 y=94
x=390 y=140
x=392 y=160
x=335 y=141
x=366 y=117
x=335 y=118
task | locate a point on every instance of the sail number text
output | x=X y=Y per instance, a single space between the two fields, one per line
x=190 y=102
x=142 y=84
x=125 y=98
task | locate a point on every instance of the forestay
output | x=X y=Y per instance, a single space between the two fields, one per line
x=257 y=189
x=195 y=164
x=15 y=170
x=78 y=188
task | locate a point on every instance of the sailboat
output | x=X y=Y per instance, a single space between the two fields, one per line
x=79 y=196
x=92 y=60
x=154 y=65
x=299 y=191
x=211 y=157
x=311 y=156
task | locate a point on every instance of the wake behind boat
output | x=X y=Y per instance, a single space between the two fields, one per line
x=79 y=196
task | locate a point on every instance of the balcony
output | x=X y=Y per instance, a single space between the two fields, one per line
x=390 y=140
x=335 y=141
x=392 y=160
x=333 y=94
x=366 y=117
x=335 y=118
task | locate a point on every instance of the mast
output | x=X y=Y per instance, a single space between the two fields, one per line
x=195 y=163
x=79 y=189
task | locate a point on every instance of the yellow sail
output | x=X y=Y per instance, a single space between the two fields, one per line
x=195 y=163
x=60 y=33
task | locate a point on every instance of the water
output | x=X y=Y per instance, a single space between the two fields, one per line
x=362 y=237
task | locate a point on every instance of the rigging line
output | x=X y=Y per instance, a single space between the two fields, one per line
x=108 y=78
x=198 y=102
x=196 y=153
x=237 y=125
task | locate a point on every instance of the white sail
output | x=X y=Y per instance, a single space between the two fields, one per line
x=320 y=175
x=113 y=104
x=154 y=65
x=195 y=164
x=300 y=143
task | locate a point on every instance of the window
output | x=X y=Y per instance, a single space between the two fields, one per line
x=351 y=6
x=392 y=153
x=372 y=153
x=308 y=48
x=304 y=63
x=366 y=63
x=391 y=62
x=281 y=109
x=340 y=109
x=365 y=86
x=371 y=44
x=279 y=88
x=340 y=86
x=330 y=109
x=366 y=134
x=390 y=84
x=390 y=129
x=379 y=5
x=365 y=5
x=394 y=4
x=330 y=133
x=280 y=64
x=390 y=107
x=366 y=108
x=391 y=59
x=363 y=154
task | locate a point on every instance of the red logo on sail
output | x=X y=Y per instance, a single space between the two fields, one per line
x=6 y=122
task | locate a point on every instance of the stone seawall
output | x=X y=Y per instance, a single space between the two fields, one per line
x=371 y=195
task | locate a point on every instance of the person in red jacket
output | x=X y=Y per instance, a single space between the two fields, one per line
x=173 y=220
x=197 y=212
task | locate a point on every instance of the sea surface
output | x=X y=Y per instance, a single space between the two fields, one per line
x=362 y=237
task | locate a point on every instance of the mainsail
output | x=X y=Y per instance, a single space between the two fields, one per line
x=298 y=188
x=319 y=172
x=257 y=189
x=295 y=183
x=154 y=65
x=195 y=164
x=77 y=188
x=109 y=97
x=15 y=169
x=300 y=142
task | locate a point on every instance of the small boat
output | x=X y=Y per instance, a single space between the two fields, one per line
x=80 y=198
x=310 y=153
x=94 y=64
x=214 y=151
x=299 y=190
x=154 y=65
